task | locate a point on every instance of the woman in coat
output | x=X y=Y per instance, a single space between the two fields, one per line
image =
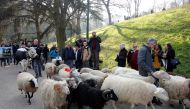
x=122 y=56
x=169 y=54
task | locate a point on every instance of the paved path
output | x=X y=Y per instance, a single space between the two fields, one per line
x=11 y=98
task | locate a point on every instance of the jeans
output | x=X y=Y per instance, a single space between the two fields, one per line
x=36 y=64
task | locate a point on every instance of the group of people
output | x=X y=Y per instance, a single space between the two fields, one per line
x=157 y=59
x=84 y=54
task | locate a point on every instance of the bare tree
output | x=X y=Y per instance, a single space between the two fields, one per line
x=137 y=5
x=107 y=6
x=128 y=7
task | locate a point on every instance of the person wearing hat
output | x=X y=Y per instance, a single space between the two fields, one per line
x=145 y=65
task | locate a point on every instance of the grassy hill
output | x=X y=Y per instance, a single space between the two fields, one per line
x=171 y=26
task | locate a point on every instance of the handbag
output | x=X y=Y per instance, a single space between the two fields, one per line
x=175 y=62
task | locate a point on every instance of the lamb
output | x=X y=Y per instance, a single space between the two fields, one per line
x=177 y=87
x=28 y=83
x=97 y=100
x=85 y=70
x=50 y=69
x=53 y=93
x=133 y=91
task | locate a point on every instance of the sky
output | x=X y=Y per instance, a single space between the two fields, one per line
x=145 y=6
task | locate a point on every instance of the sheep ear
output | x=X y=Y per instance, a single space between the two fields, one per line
x=57 y=88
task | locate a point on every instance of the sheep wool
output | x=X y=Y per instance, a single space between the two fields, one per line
x=133 y=91
x=65 y=73
x=53 y=93
x=85 y=70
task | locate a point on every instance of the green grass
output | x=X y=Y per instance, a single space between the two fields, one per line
x=171 y=26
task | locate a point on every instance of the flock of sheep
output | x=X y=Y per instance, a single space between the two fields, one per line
x=94 y=88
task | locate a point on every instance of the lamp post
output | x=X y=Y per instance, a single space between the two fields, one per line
x=87 y=27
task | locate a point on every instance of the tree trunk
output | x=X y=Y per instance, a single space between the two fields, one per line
x=61 y=36
x=78 y=28
x=38 y=30
x=109 y=15
x=60 y=24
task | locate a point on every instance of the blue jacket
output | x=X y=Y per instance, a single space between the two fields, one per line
x=145 y=65
x=53 y=54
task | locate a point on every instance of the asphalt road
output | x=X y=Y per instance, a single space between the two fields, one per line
x=11 y=98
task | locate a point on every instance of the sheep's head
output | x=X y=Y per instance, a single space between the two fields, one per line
x=61 y=88
x=162 y=75
x=162 y=94
x=34 y=82
x=91 y=82
x=72 y=83
x=109 y=94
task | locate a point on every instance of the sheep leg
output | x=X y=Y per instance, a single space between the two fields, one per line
x=132 y=106
x=184 y=105
x=152 y=105
x=21 y=91
x=25 y=95
x=146 y=107
x=114 y=104
x=29 y=97
x=69 y=104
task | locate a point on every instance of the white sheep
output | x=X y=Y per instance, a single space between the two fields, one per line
x=50 y=69
x=85 y=70
x=53 y=93
x=133 y=91
x=123 y=70
x=177 y=87
x=28 y=83
x=131 y=73
x=98 y=73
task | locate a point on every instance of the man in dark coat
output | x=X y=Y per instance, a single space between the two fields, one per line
x=94 y=44
x=145 y=64
x=68 y=55
x=36 y=61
